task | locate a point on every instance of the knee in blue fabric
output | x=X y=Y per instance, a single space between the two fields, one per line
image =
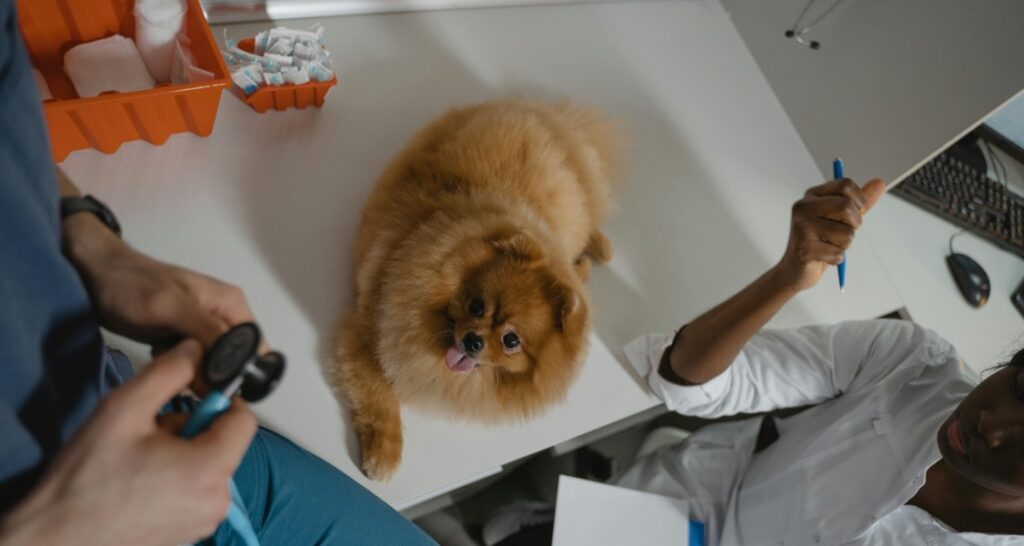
x=295 y=498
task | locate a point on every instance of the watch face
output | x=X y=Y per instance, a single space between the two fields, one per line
x=230 y=354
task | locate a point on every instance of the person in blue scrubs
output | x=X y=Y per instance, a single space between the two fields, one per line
x=83 y=457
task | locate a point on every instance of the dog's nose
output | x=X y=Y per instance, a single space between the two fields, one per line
x=472 y=343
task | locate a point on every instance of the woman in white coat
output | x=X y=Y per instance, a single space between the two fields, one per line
x=902 y=446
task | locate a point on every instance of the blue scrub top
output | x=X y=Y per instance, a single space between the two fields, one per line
x=53 y=369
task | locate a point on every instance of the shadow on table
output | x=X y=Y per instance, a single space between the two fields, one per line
x=676 y=236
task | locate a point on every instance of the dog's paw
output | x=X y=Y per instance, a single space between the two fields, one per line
x=599 y=247
x=382 y=452
x=582 y=267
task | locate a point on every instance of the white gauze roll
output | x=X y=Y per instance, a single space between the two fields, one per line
x=110 y=64
x=157 y=24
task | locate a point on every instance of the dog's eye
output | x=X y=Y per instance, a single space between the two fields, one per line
x=510 y=340
x=476 y=307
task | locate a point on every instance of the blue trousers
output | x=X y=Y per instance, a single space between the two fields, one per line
x=295 y=498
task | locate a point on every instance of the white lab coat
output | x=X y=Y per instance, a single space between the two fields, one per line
x=840 y=472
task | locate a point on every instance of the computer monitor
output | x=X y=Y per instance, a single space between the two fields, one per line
x=1005 y=128
x=962 y=186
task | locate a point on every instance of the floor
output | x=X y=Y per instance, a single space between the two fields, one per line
x=534 y=480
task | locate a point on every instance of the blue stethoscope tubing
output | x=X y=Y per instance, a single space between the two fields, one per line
x=212 y=407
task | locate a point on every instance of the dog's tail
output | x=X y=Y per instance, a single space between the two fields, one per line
x=600 y=140
x=596 y=130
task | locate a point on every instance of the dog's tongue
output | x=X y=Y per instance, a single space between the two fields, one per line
x=458 y=361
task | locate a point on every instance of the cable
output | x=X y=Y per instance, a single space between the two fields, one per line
x=954 y=236
x=807 y=6
x=822 y=16
x=797 y=31
x=1002 y=167
x=986 y=153
x=238 y=518
x=994 y=162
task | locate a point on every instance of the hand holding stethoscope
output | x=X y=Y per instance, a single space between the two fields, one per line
x=234 y=366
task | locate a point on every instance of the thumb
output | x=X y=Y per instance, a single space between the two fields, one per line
x=165 y=377
x=873 y=191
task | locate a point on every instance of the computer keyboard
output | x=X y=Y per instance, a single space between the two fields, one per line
x=968 y=197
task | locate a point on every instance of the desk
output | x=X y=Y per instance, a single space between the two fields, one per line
x=913 y=244
x=271 y=201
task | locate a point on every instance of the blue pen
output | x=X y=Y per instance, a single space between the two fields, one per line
x=837 y=174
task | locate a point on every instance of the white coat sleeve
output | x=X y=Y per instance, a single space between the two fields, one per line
x=790 y=368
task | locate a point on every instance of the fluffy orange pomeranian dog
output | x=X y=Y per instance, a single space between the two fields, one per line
x=469 y=269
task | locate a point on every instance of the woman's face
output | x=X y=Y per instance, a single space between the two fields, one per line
x=984 y=438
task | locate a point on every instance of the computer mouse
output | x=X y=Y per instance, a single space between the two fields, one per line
x=970 y=278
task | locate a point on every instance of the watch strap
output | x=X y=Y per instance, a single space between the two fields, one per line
x=88 y=203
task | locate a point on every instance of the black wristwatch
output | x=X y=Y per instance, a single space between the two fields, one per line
x=88 y=203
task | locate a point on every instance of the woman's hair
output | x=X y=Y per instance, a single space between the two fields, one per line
x=1017 y=361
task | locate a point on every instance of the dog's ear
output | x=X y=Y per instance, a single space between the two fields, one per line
x=570 y=310
x=516 y=244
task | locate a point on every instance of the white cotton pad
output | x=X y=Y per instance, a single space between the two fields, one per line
x=157 y=24
x=110 y=64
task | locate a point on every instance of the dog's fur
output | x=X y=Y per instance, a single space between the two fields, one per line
x=499 y=202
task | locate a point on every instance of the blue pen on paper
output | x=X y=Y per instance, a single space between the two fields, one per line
x=837 y=174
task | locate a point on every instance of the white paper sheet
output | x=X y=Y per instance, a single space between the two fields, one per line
x=595 y=514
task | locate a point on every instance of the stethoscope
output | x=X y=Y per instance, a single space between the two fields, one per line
x=234 y=365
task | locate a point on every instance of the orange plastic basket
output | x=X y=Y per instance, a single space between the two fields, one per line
x=290 y=95
x=52 y=27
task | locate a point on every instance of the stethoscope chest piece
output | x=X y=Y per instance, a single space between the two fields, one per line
x=236 y=355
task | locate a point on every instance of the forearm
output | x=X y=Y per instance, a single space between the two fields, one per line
x=85 y=239
x=22 y=535
x=31 y=533
x=65 y=185
x=29 y=524
x=708 y=345
x=822 y=226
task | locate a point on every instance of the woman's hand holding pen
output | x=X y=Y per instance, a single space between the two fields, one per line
x=822 y=228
